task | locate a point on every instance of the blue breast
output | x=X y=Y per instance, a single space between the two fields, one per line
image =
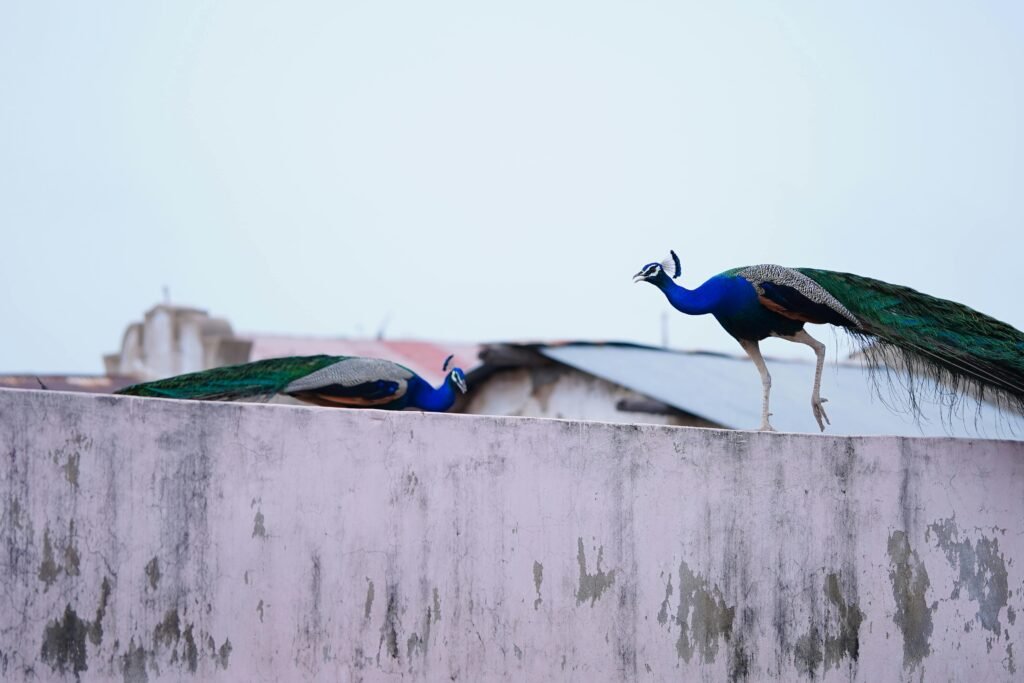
x=742 y=315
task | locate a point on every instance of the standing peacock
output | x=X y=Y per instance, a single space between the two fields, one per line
x=345 y=381
x=967 y=350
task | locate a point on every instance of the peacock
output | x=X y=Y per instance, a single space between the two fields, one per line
x=967 y=351
x=346 y=381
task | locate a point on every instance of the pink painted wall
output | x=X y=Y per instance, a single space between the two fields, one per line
x=150 y=540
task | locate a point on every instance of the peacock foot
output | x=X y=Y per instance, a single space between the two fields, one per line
x=765 y=425
x=818 y=406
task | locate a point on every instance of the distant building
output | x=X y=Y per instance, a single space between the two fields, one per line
x=526 y=380
x=172 y=340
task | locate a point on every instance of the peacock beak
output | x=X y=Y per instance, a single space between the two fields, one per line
x=461 y=384
x=639 y=277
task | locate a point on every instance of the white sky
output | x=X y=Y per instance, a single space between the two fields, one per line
x=485 y=171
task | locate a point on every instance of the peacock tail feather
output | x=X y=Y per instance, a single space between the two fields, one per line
x=257 y=380
x=963 y=350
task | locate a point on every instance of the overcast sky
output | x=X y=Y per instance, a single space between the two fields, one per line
x=485 y=171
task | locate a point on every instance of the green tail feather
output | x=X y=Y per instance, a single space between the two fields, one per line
x=967 y=351
x=257 y=380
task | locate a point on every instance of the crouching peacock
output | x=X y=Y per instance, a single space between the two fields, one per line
x=958 y=346
x=346 y=381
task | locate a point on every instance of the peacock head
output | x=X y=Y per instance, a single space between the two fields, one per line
x=456 y=377
x=660 y=273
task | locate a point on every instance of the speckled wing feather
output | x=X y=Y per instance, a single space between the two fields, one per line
x=794 y=295
x=355 y=383
x=966 y=350
x=259 y=380
x=350 y=372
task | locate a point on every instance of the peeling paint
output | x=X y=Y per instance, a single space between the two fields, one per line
x=663 y=612
x=259 y=530
x=538 y=578
x=64 y=643
x=191 y=651
x=739 y=663
x=702 y=616
x=833 y=638
x=96 y=627
x=982 y=570
x=168 y=631
x=71 y=468
x=64 y=639
x=68 y=457
x=410 y=482
x=72 y=558
x=369 y=599
x=14 y=511
x=133 y=664
x=153 y=572
x=136 y=662
x=48 y=569
x=223 y=654
x=592 y=586
x=389 y=629
x=413 y=644
x=421 y=644
x=910 y=583
x=847 y=642
x=313 y=635
x=808 y=652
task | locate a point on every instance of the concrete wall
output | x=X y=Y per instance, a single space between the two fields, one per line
x=147 y=540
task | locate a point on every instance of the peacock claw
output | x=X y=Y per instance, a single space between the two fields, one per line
x=818 y=407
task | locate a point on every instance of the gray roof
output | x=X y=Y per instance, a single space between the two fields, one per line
x=727 y=390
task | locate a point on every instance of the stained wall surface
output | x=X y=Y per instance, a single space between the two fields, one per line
x=148 y=540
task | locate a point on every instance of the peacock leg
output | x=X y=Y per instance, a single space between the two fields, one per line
x=817 y=402
x=754 y=351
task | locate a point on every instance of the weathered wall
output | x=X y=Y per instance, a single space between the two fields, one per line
x=147 y=539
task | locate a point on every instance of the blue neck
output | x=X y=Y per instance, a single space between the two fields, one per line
x=698 y=301
x=426 y=397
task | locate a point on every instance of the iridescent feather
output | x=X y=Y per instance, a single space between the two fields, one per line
x=966 y=352
x=345 y=381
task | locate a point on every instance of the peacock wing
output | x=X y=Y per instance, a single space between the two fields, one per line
x=794 y=295
x=354 y=382
x=366 y=395
x=259 y=379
